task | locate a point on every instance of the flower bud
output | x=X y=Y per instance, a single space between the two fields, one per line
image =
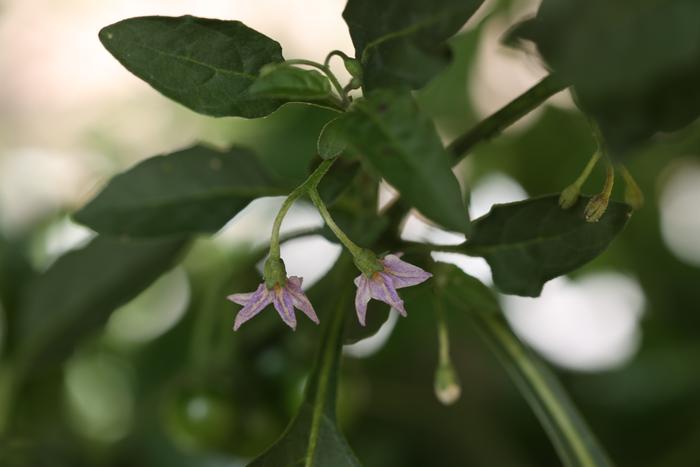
x=447 y=387
x=596 y=207
x=569 y=196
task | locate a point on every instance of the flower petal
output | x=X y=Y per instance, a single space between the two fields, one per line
x=362 y=297
x=241 y=298
x=284 y=304
x=256 y=302
x=404 y=274
x=300 y=299
x=382 y=288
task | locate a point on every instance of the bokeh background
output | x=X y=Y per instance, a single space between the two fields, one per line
x=166 y=382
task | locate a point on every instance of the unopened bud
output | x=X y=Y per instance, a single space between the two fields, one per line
x=569 y=196
x=596 y=207
x=447 y=387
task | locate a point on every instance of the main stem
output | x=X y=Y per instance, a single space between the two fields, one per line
x=506 y=116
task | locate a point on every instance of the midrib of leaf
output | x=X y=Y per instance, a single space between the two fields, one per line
x=574 y=443
x=326 y=366
x=408 y=30
x=196 y=62
x=208 y=196
x=479 y=250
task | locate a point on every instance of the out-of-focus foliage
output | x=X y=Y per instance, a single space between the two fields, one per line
x=634 y=64
x=200 y=395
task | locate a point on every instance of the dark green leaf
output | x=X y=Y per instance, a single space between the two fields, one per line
x=291 y=83
x=80 y=290
x=401 y=143
x=530 y=242
x=635 y=65
x=194 y=190
x=207 y=65
x=402 y=42
x=568 y=431
x=331 y=141
x=313 y=438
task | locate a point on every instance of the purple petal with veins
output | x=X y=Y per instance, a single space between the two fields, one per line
x=300 y=299
x=255 y=303
x=284 y=304
x=381 y=287
x=362 y=297
x=404 y=274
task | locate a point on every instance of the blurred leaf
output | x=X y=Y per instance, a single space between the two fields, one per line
x=207 y=65
x=313 y=438
x=194 y=190
x=82 y=288
x=331 y=141
x=530 y=242
x=402 y=43
x=338 y=179
x=15 y=274
x=634 y=64
x=573 y=440
x=291 y=83
x=401 y=143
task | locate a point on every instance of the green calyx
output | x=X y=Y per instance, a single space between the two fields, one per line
x=274 y=273
x=367 y=262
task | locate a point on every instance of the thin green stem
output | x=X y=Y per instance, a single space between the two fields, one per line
x=588 y=169
x=321 y=206
x=327 y=71
x=609 y=179
x=335 y=53
x=310 y=183
x=443 y=334
x=506 y=116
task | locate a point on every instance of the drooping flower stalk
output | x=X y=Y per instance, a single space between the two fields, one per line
x=446 y=384
x=283 y=292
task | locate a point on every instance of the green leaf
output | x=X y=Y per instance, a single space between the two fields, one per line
x=568 y=431
x=80 y=290
x=207 y=65
x=313 y=438
x=635 y=65
x=401 y=143
x=331 y=141
x=402 y=42
x=194 y=190
x=291 y=83
x=530 y=242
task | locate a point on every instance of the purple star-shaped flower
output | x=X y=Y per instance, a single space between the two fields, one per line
x=284 y=298
x=382 y=285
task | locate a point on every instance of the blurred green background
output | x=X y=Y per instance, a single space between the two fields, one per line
x=167 y=383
